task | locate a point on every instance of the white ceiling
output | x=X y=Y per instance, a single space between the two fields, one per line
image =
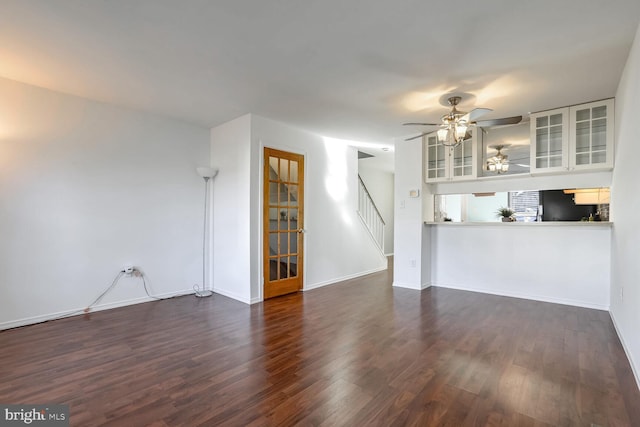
x=346 y=69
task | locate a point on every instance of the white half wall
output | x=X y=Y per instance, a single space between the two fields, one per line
x=566 y=264
x=86 y=188
x=625 y=207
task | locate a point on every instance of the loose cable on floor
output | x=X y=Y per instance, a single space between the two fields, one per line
x=113 y=284
x=136 y=272
x=143 y=276
x=88 y=308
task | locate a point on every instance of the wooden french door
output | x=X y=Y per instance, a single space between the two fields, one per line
x=283 y=214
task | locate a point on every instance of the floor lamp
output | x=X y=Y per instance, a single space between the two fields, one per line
x=207 y=174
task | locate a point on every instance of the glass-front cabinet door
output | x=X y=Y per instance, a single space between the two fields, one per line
x=573 y=138
x=592 y=135
x=463 y=159
x=436 y=159
x=444 y=163
x=550 y=140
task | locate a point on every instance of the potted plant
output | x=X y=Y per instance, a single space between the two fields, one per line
x=506 y=214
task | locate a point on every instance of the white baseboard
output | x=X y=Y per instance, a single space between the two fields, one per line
x=636 y=374
x=411 y=286
x=341 y=279
x=79 y=311
x=564 y=301
x=256 y=300
x=232 y=295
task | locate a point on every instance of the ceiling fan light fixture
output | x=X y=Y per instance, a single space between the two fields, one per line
x=460 y=131
x=443 y=135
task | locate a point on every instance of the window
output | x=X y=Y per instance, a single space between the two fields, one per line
x=525 y=205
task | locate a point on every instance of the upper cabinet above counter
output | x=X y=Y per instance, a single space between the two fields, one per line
x=571 y=139
x=444 y=163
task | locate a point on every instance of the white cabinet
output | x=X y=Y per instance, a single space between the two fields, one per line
x=550 y=141
x=591 y=136
x=444 y=163
x=436 y=159
x=573 y=138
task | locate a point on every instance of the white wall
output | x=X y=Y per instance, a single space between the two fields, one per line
x=86 y=188
x=380 y=185
x=469 y=208
x=449 y=206
x=410 y=240
x=625 y=206
x=560 y=263
x=231 y=248
x=336 y=244
x=483 y=209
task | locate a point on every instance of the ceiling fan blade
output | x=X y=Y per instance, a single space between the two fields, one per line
x=415 y=137
x=475 y=113
x=421 y=124
x=499 y=122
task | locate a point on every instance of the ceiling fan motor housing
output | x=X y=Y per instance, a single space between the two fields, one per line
x=454 y=100
x=454 y=115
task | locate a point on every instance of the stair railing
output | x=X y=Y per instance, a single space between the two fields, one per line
x=370 y=215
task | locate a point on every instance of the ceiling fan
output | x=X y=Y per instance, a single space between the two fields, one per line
x=455 y=124
x=500 y=162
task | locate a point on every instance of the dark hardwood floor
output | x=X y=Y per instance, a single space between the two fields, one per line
x=358 y=353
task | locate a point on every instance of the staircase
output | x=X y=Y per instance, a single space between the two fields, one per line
x=370 y=215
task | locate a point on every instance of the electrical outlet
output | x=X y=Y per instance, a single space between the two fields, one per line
x=412 y=263
x=128 y=269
